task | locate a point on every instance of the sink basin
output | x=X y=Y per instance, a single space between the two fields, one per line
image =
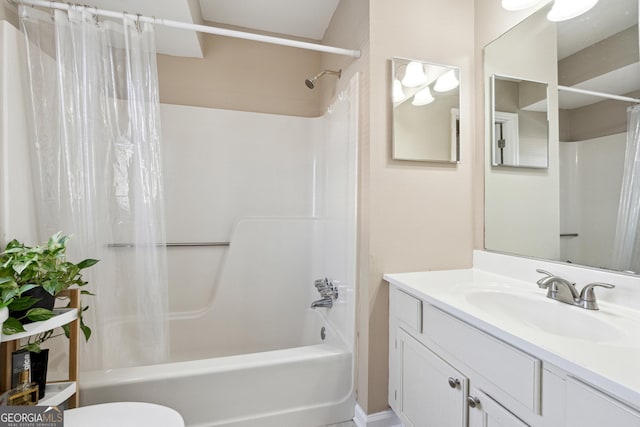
x=552 y=317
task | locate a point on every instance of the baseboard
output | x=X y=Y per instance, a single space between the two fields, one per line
x=386 y=418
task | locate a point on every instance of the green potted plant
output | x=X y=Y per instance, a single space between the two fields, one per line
x=30 y=280
x=30 y=276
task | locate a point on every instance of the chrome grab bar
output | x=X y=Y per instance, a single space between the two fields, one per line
x=171 y=245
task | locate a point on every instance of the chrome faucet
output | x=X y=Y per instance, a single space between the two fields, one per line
x=564 y=291
x=328 y=291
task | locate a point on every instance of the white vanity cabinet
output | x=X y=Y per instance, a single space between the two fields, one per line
x=429 y=387
x=445 y=372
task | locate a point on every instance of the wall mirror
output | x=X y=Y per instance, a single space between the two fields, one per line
x=426 y=117
x=572 y=211
x=520 y=124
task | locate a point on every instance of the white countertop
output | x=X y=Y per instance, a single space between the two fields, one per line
x=612 y=365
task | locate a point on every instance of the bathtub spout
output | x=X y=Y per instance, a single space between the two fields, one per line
x=326 y=302
x=328 y=291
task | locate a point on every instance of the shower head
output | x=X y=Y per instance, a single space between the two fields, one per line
x=311 y=83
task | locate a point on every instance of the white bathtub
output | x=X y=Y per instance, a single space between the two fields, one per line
x=290 y=387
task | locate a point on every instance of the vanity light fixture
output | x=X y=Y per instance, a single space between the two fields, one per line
x=518 y=4
x=398 y=92
x=414 y=75
x=422 y=97
x=563 y=10
x=446 y=82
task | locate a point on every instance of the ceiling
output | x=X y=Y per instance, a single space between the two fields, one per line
x=307 y=19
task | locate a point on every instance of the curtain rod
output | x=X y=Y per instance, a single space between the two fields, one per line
x=200 y=28
x=599 y=94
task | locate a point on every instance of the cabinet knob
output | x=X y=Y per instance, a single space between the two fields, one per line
x=473 y=401
x=453 y=382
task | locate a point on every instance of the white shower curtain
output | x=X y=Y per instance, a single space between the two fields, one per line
x=626 y=251
x=96 y=160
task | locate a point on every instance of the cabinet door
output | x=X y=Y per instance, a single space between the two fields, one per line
x=486 y=412
x=430 y=392
x=587 y=407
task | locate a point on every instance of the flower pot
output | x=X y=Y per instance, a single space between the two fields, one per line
x=45 y=300
x=39 y=362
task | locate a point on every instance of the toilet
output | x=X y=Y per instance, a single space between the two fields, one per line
x=123 y=414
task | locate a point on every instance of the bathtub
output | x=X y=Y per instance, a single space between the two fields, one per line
x=310 y=385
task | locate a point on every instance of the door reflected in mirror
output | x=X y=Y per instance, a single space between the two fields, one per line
x=426 y=118
x=520 y=123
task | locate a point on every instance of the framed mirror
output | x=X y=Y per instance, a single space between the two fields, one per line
x=426 y=111
x=520 y=133
x=574 y=210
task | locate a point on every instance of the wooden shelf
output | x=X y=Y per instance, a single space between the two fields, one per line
x=63 y=316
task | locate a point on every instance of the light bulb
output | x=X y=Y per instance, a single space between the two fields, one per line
x=446 y=82
x=563 y=10
x=422 y=97
x=518 y=4
x=414 y=75
x=398 y=92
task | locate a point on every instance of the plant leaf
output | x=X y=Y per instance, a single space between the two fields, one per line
x=12 y=326
x=22 y=303
x=51 y=286
x=6 y=279
x=38 y=314
x=84 y=292
x=67 y=331
x=85 y=330
x=33 y=347
x=25 y=288
x=87 y=263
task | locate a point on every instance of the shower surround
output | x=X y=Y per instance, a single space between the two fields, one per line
x=245 y=346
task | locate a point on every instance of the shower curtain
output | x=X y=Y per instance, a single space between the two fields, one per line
x=626 y=251
x=96 y=162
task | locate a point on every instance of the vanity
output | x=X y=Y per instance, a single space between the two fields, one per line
x=480 y=348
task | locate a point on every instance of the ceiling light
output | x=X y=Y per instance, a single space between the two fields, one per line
x=423 y=97
x=446 y=82
x=398 y=92
x=518 y=4
x=414 y=75
x=567 y=9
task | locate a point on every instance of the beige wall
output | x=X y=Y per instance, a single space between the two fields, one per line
x=419 y=214
x=9 y=12
x=242 y=75
x=603 y=118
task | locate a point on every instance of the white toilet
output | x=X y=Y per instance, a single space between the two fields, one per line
x=123 y=414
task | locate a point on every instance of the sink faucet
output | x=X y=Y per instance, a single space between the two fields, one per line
x=564 y=291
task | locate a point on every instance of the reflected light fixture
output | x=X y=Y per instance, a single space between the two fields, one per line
x=446 y=82
x=414 y=75
x=563 y=10
x=518 y=4
x=422 y=97
x=398 y=92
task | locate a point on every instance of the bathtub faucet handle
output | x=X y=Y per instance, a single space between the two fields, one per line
x=328 y=291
